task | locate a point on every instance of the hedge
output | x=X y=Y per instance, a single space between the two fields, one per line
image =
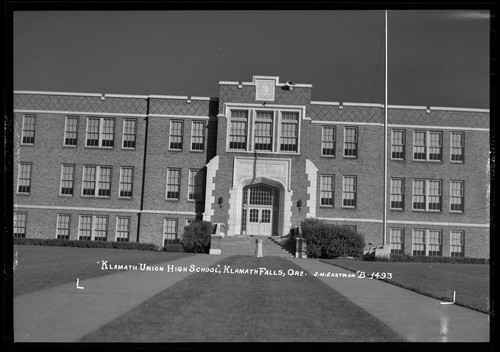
x=196 y=237
x=174 y=247
x=331 y=241
x=86 y=244
x=432 y=259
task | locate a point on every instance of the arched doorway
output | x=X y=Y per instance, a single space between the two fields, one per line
x=260 y=210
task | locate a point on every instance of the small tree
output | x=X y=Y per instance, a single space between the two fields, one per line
x=196 y=237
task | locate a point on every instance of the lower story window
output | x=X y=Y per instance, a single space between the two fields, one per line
x=63 y=226
x=20 y=224
x=93 y=228
x=435 y=243
x=457 y=241
x=418 y=242
x=397 y=240
x=170 y=231
x=122 y=229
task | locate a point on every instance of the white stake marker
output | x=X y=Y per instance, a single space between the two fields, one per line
x=78 y=284
x=450 y=302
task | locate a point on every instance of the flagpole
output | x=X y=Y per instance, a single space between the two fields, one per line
x=385 y=142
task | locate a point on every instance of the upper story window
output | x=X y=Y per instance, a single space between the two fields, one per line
x=28 y=130
x=326 y=190
x=457 y=140
x=263 y=130
x=349 y=191
x=397 y=193
x=126 y=182
x=328 y=141
x=238 y=131
x=129 y=133
x=24 y=178
x=176 y=133
x=427 y=195
x=71 y=131
x=173 y=184
x=96 y=181
x=197 y=136
x=398 y=144
x=350 y=142
x=427 y=146
x=457 y=196
x=100 y=132
x=67 y=179
x=289 y=131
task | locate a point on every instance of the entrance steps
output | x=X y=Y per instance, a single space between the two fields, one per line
x=245 y=245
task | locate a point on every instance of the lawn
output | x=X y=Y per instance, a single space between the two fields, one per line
x=470 y=281
x=40 y=267
x=242 y=307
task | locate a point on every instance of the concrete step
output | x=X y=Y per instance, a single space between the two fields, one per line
x=245 y=245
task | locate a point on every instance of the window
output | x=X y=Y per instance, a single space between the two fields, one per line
x=93 y=228
x=122 y=229
x=349 y=192
x=398 y=145
x=100 y=132
x=264 y=130
x=126 y=182
x=173 y=183
x=194 y=185
x=71 y=131
x=28 y=130
x=24 y=178
x=457 y=147
x=63 y=226
x=418 y=242
x=96 y=181
x=170 y=231
x=350 y=142
x=67 y=179
x=20 y=224
x=457 y=196
x=457 y=243
x=397 y=241
x=176 y=131
x=271 y=130
x=328 y=141
x=427 y=146
x=129 y=133
x=397 y=193
x=435 y=243
x=238 y=130
x=426 y=195
x=289 y=131
x=326 y=190
x=197 y=136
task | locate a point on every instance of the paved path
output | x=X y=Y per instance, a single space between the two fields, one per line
x=66 y=314
x=417 y=317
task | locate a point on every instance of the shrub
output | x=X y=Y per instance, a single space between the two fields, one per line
x=196 y=237
x=427 y=259
x=85 y=244
x=331 y=240
x=174 y=247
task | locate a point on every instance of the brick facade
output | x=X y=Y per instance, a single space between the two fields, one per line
x=224 y=180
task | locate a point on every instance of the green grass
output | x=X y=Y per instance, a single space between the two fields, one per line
x=40 y=267
x=208 y=307
x=470 y=281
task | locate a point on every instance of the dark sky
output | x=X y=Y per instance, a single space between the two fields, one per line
x=436 y=58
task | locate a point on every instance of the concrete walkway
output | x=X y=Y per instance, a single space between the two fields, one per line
x=66 y=314
x=416 y=317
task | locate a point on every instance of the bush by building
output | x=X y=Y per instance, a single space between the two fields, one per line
x=174 y=247
x=432 y=259
x=331 y=241
x=86 y=244
x=196 y=237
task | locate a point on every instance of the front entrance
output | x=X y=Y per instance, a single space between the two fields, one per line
x=260 y=207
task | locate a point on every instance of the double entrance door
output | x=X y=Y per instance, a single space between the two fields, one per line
x=259 y=209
